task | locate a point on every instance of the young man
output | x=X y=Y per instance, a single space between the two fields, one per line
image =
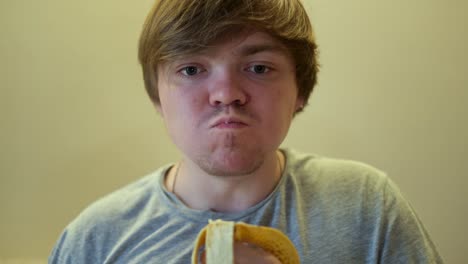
x=227 y=77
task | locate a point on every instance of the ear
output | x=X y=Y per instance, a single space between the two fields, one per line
x=158 y=107
x=299 y=104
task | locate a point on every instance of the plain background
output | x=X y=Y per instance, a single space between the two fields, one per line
x=76 y=122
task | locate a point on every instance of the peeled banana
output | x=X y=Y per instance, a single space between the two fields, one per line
x=219 y=236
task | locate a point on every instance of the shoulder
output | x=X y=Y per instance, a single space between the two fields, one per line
x=357 y=200
x=342 y=187
x=122 y=202
x=90 y=235
x=324 y=172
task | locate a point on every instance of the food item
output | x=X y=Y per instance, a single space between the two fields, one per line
x=218 y=237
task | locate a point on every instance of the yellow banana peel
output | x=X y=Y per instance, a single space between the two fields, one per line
x=218 y=237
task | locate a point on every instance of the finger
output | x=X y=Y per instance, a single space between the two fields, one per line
x=249 y=253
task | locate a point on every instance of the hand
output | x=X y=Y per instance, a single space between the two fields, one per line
x=245 y=253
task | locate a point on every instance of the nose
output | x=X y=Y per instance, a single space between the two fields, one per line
x=227 y=89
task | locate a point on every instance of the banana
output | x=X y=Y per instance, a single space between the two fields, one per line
x=218 y=237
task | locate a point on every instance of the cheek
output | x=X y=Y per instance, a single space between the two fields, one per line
x=197 y=102
x=186 y=113
x=281 y=111
x=276 y=118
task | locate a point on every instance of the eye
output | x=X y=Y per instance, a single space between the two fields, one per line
x=190 y=70
x=259 y=69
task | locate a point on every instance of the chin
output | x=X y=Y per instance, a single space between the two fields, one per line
x=232 y=164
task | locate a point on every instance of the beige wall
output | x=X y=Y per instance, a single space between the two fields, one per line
x=76 y=123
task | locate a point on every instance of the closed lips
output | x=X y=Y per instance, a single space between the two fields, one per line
x=228 y=121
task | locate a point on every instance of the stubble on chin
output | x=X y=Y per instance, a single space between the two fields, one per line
x=230 y=158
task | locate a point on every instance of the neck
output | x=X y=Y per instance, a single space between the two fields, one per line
x=202 y=191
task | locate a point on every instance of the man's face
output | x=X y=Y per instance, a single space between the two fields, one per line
x=229 y=106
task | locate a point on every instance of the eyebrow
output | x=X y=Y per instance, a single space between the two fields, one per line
x=254 y=49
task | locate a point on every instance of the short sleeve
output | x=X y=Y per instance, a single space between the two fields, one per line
x=405 y=238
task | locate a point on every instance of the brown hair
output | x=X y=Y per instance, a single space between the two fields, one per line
x=177 y=27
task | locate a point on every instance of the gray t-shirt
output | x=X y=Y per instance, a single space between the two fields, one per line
x=334 y=211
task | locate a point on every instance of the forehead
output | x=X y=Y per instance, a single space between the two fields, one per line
x=241 y=44
x=246 y=39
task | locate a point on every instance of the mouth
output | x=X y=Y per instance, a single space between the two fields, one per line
x=229 y=123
